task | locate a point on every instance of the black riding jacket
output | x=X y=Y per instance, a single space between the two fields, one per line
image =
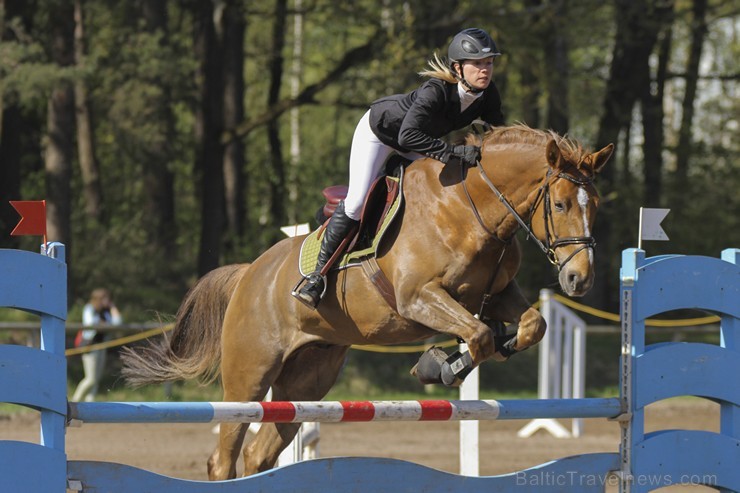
x=416 y=121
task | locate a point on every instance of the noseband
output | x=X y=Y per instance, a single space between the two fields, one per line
x=543 y=194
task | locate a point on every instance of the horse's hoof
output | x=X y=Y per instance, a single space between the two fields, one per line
x=429 y=368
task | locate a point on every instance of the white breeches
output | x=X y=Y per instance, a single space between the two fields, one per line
x=366 y=160
x=93 y=363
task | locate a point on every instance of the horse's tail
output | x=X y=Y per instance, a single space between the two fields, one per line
x=192 y=350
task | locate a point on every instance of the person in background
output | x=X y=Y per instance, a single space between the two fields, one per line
x=100 y=310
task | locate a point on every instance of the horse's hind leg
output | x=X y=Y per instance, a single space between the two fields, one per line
x=245 y=379
x=307 y=376
x=222 y=462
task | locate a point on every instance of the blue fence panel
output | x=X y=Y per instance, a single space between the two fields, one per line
x=651 y=286
x=578 y=474
x=672 y=370
x=31 y=282
x=33 y=378
x=36 y=377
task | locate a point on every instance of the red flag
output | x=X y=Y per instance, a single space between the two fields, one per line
x=33 y=217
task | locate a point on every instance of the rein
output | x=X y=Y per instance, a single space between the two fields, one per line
x=549 y=246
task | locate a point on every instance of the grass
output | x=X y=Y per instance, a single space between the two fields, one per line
x=10 y=409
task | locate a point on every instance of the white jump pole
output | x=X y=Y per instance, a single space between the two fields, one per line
x=562 y=363
x=305 y=445
x=469 y=430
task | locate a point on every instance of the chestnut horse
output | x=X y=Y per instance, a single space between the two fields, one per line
x=454 y=240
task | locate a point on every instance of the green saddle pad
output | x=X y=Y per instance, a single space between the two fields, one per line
x=312 y=243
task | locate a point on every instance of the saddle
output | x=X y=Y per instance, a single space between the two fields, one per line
x=382 y=194
x=381 y=205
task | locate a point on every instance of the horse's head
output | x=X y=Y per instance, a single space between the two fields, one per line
x=564 y=211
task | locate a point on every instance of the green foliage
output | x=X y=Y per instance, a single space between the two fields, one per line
x=133 y=75
x=26 y=76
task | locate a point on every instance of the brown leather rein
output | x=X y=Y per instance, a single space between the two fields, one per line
x=550 y=244
x=385 y=288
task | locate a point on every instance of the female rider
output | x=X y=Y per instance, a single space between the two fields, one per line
x=411 y=125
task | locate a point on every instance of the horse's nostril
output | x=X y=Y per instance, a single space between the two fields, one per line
x=574 y=280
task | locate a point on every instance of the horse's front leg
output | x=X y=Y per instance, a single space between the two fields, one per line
x=511 y=306
x=433 y=307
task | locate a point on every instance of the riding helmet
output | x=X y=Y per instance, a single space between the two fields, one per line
x=471 y=44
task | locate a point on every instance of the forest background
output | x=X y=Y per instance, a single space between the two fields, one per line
x=171 y=137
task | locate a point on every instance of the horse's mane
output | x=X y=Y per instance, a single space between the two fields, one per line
x=523 y=134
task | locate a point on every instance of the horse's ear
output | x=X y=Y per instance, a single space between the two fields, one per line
x=552 y=153
x=599 y=159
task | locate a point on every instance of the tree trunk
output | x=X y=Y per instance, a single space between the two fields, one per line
x=625 y=178
x=530 y=96
x=2 y=34
x=684 y=148
x=278 y=180
x=60 y=129
x=159 y=181
x=638 y=24
x=530 y=82
x=89 y=168
x=557 y=68
x=652 y=125
x=10 y=173
x=295 y=113
x=208 y=43
x=234 y=178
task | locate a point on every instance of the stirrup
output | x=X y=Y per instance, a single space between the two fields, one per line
x=295 y=292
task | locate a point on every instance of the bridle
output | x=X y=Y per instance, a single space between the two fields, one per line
x=550 y=243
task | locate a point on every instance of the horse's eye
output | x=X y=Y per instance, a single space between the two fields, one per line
x=559 y=206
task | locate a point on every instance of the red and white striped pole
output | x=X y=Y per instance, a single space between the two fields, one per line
x=335 y=411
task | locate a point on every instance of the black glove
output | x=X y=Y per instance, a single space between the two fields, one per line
x=466 y=155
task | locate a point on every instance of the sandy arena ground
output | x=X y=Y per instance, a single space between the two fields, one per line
x=181 y=450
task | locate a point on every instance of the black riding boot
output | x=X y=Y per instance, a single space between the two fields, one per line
x=336 y=231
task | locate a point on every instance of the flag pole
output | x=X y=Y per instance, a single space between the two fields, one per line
x=45 y=248
x=639 y=232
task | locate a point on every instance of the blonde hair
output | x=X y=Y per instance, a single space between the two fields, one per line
x=439 y=70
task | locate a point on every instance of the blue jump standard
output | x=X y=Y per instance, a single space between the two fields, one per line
x=35 y=377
